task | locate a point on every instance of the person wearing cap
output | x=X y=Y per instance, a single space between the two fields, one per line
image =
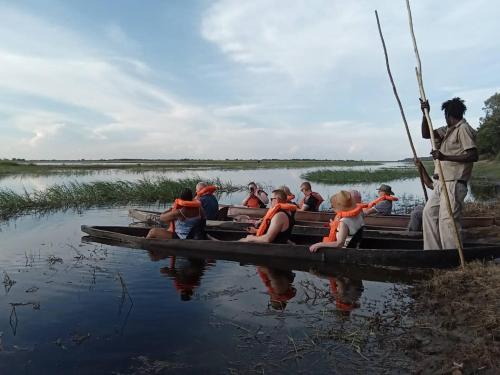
x=348 y=220
x=383 y=204
x=457 y=151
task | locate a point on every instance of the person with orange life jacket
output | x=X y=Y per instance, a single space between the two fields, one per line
x=289 y=196
x=383 y=204
x=256 y=198
x=311 y=200
x=209 y=203
x=348 y=220
x=277 y=224
x=185 y=218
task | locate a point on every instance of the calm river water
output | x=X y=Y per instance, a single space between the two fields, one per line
x=73 y=307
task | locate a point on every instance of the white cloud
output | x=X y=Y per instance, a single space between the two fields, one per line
x=315 y=69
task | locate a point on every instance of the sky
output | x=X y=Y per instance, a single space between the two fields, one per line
x=235 y=79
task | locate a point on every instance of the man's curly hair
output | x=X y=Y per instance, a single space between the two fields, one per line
x=454 y=107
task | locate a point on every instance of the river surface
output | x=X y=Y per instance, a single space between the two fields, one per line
x=74 y=307
x=69 y=306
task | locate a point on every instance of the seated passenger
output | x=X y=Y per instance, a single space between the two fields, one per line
x=257 y=198
x=348 y=220
x=185 y=218
x=289 y=196
x=277 y=225
x=311 y=200
x=356 y=195
x=383 y=204
x=209 y=203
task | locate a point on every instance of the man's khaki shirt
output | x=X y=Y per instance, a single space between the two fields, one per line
x=456 y=140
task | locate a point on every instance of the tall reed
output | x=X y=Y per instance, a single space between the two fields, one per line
x=101 y=193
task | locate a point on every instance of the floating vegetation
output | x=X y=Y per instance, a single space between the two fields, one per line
x=328 y=176
x=101 y=193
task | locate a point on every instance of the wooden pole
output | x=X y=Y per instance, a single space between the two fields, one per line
x=444 y=188
x=400 y=105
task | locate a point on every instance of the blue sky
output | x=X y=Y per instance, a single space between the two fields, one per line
x=234 y=79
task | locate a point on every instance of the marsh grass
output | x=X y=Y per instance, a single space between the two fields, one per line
x=328 y=176
x=102 y=193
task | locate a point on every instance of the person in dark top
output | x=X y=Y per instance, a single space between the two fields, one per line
x=277 y=225
x=311 y=200
x=209 y=203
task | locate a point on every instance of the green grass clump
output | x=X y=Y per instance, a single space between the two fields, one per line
x=327 y=176
x=102 y=193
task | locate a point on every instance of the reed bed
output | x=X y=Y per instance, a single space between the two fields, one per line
x=328 y=176
x=101 y=193
x=8 y=167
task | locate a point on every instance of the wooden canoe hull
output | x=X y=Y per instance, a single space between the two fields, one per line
x=393 y=221
x=391 y=252
x=318 y=219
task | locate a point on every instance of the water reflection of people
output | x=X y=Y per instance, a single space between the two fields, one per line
x=346 y=292
x=279 y=286
x=186 y=274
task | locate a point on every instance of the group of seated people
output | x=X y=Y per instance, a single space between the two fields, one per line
x=187 y=216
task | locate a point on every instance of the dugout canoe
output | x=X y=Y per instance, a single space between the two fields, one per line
x=391 y=221
x=314 y=232
x=380 y=252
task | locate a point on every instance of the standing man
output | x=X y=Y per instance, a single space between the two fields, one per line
x=457 y=151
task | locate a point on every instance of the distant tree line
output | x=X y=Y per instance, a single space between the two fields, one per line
x=488 y=135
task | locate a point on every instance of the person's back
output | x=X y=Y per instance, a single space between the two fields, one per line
x=190 y=218
x=210 y=206
x=284 y=236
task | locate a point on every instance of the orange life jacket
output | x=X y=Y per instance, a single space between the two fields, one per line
x=341 y=305
x=334 y=224
x=318 y=197
x=266 y=221
x=178 y=204
x=210 y=189
x=254 y=202
x=380 y=199
x=279 y=297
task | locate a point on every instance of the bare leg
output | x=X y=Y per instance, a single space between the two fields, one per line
x=159 y=234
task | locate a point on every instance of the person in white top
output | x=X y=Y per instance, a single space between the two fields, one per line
x=348 y=220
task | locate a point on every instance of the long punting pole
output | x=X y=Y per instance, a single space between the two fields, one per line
x=400 y=105
x=418 y=70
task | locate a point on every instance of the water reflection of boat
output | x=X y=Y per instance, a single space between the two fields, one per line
x=279 y=286
x=396 y=252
